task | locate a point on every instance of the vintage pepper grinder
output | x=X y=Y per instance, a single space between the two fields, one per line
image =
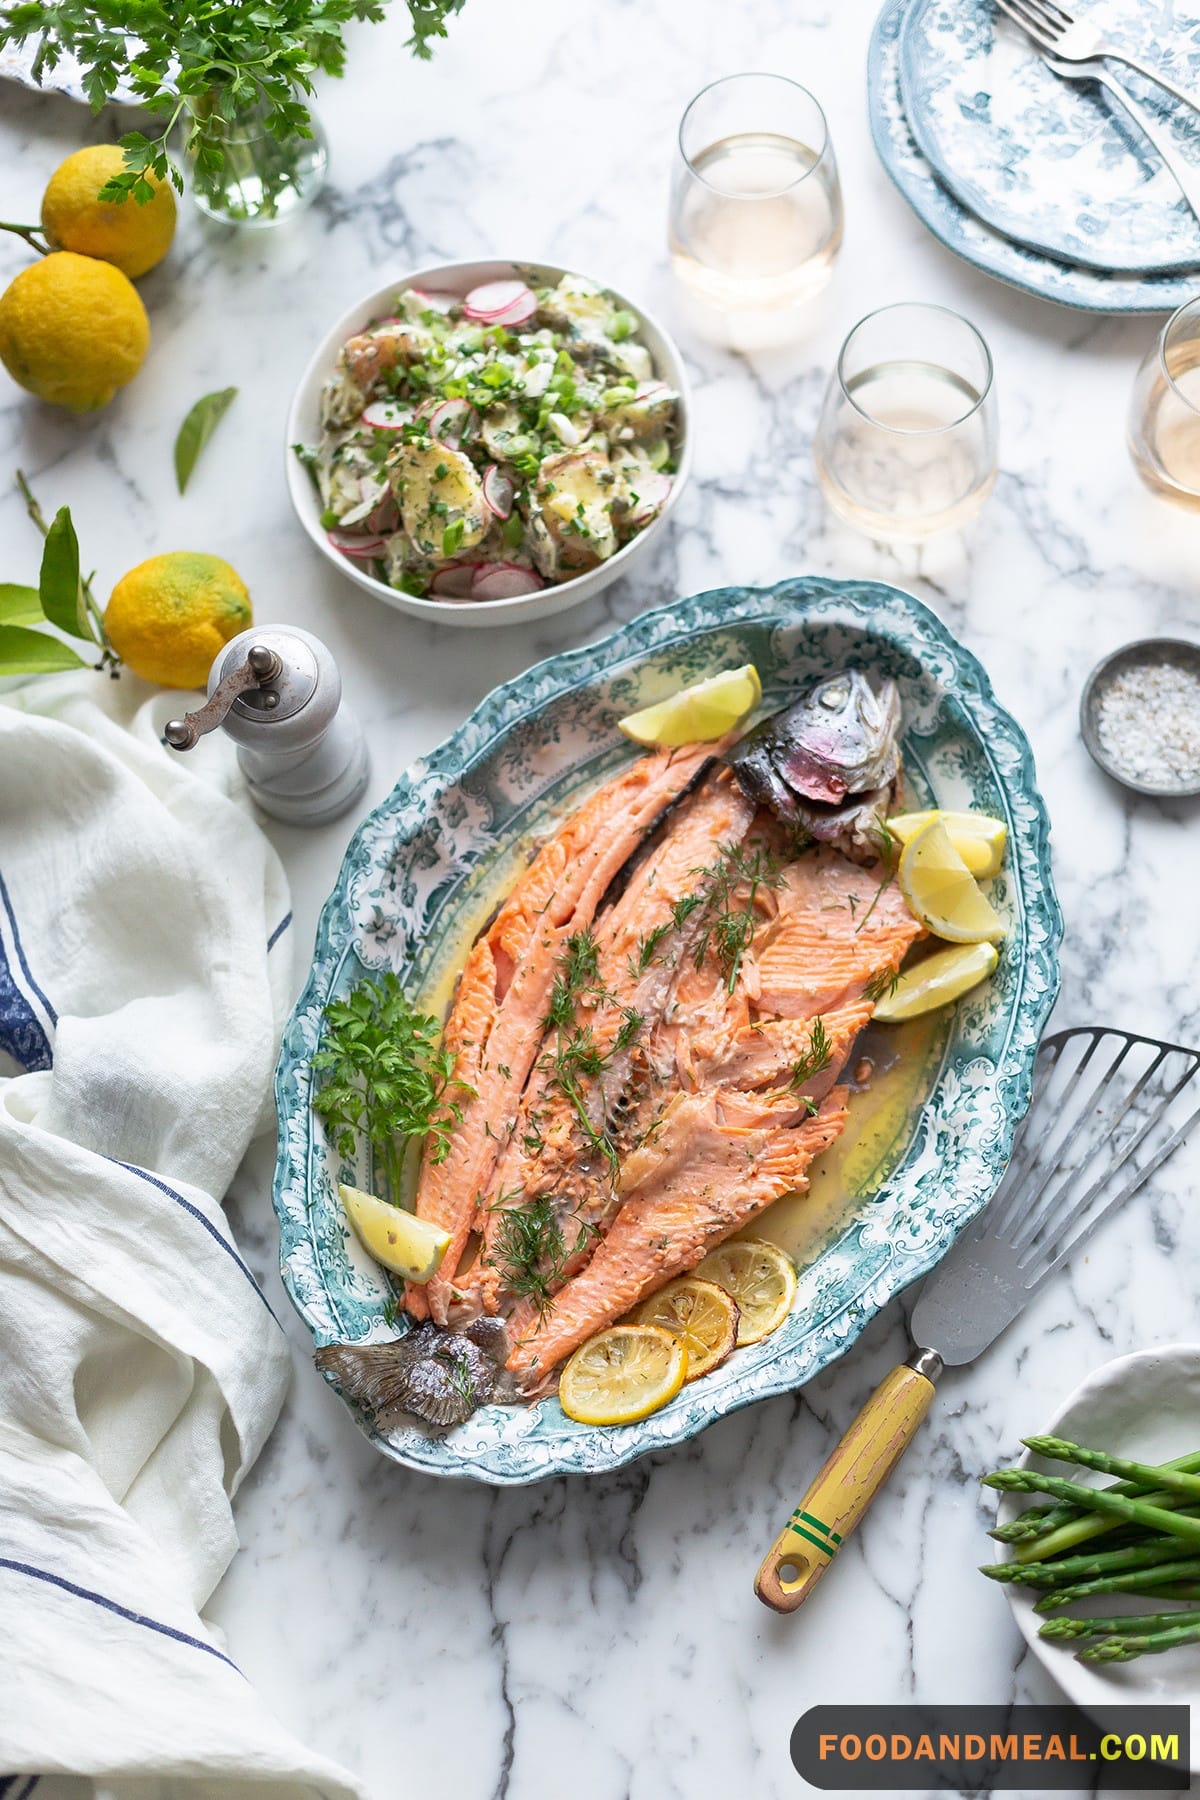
x=277 y=692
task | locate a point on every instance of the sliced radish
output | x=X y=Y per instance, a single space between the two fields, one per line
x=515 y=315
x=498 y=491
x=455 y=581
x=387 y=415
x=356 y=543
x=503 y=581
x=453 y=421
x=437 y=301
x=648 y=390
x=385 y=519
x=496 y=297
x=651 y=490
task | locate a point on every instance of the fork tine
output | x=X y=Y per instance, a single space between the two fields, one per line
x=1060 y=12
x=1032 y=24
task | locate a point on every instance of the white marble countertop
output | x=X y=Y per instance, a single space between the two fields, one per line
x=602 y=1636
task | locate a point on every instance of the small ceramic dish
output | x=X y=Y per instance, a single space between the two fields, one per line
x=304 y=427
x=1145 y=1406
x=1144 y=653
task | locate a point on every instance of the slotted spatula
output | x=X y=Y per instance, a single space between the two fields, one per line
x=1109 y=1107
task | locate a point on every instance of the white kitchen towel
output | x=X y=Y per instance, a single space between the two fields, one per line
x=144 y=974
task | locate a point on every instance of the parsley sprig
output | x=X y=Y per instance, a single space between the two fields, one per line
x=386 y=1078
x=202 y=58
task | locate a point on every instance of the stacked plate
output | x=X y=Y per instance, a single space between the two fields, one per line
x=1037 y=180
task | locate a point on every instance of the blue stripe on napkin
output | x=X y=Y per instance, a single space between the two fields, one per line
x=207 y=1224
x=114 y=1606
x=22 y=1033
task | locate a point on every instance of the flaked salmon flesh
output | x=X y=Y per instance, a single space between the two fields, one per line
x=654 y=1026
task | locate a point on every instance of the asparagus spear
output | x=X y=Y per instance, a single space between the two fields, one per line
x=1145 y=1476
x=1031 y=1523
x=1161 y=1579
x=1124 y=1649
x=1073 y=1526
x=1140 y=1624
x=1121 y=1506
x=1068 y=1569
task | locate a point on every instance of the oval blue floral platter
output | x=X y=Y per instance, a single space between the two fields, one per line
x=424 y=870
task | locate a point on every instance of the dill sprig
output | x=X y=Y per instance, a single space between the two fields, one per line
x=576 y=1053
x=729 y=924
x=530 y=1250
x=882 y=984
x=815 y=1060
x=386 y=1078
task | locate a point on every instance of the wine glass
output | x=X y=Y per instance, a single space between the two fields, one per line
x=756 y=209
x=906 y=442
x=1164 y=412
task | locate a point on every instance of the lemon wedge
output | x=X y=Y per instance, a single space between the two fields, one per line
x=979 y=839
x=397 y=1239
x=697 y=715
x=622 y=1375
x=937 y=981
x=759 y=1279
x=703 y=1316
x=942 y=892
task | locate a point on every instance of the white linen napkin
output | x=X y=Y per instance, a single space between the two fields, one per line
x=144 y=974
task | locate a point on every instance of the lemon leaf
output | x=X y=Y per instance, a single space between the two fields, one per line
x=196 y=430
x=58 y=583
x=25 y=652
x=20 y=605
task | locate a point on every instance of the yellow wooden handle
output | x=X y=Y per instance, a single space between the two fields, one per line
x=846 y=1486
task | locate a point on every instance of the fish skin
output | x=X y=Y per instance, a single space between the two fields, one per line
x=499 y=1032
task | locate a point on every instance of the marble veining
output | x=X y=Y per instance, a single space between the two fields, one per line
x=602 y=1633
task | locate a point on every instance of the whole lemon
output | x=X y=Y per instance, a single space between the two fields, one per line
x=170 y=616
x=72 y=330
x=131 y=236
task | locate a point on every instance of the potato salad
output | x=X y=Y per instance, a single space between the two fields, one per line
x=477 y=448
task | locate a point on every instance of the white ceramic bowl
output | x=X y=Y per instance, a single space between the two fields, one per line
x=1145 y=1406
x=303 y=427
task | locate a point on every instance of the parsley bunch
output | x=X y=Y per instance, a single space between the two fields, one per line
x=211 y=58
x=385 y=1077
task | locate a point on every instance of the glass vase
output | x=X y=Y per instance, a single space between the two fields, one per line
x=241 y=174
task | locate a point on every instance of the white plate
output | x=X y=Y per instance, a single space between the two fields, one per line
x=1146 y=1406
x=303 y=427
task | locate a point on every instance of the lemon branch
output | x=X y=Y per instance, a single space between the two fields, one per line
x=31 y=233
x=108 y=656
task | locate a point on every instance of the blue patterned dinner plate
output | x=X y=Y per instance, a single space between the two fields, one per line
x=1067 y=284
x=1054 y=164
x=422 y=875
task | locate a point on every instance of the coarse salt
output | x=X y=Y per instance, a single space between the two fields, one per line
x=1148 y=723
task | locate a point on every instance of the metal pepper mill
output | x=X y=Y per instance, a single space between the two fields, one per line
x=276 y=690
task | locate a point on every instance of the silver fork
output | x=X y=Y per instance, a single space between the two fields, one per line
x=1185 y=174
x=1072 y=40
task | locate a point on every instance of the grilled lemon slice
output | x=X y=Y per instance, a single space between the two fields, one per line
x=703 y=1316
x=942 y=892
x=622 y=1375
x=979 y=839
x=397 y=1239
x=937 y=980
x=699 y=714
x=760 y=1280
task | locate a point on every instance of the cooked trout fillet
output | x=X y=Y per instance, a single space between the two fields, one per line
x=584 y=1083
x=496 y=1021
x=726 y=1129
